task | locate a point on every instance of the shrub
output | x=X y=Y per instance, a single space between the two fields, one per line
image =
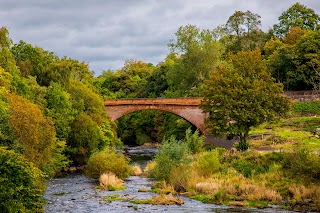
x=108 y=160
x=303 y=162
x=182 y=178
x=250 y=163
x=111 y=182
x=21 y=184
x=207 y=163
x=172 y=153
x=194 y=141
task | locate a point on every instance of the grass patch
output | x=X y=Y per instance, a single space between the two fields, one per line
x=161 y=199
x=289 y=132
x=144 y=190
x=258 y=204
x=60 y=193
x=113 y=197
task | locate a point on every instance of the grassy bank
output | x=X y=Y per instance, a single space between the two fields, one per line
x=301 y=128
x=288 y=178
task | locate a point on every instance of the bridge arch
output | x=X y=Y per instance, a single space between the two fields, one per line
x=187 y=108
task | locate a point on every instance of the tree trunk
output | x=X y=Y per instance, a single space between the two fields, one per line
x=243 y=144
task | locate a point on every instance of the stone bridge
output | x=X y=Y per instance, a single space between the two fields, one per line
x=187 y=108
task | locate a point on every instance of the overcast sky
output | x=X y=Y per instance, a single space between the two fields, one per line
x=104 y=33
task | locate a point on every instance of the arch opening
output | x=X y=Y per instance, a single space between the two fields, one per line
x=142 y=126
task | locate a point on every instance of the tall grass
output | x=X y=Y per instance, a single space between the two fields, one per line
x=111 y=182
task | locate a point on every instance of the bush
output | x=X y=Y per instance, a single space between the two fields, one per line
x=207 y=163
x=303 y=162
x=108 y=160
x=172 y=153
x=183 y=178
x=195 y=141
x=21 y=184
x=250 y=163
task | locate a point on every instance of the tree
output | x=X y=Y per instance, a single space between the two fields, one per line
x=196 y=54
x=6 y=57
x=59 y=107
x=296 y=62
x=293 y=35
x=33 y=132
x=84 y=138
x=21 y=184
x=308 y=63
x=297 y=15
x=246 y=27
x=242 y=95
x=33 y=61
x=5 y=129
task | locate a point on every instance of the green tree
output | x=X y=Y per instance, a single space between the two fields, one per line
x=308 y=63
x=59 y=107
x=7 y=61
x=295 y=63
x=297 y=15
x=246 y=28
x=241 y=96
x=199 y=53
x=33 y=61
x=5 y=128
x=21 y=184
x=84 y=138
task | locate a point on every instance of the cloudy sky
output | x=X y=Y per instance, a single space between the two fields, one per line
x=104 y=33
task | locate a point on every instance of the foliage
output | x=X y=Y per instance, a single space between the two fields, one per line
x=34 y=134
x=21 y=184
x=308 y=62
x=297 y=15
x=199 y=54
x=250 y=164
x=246 y=27
x=6 y=57
x=58 y=160
x=194 y=141
x=207 y=163
x=108 y=160
x=85 y=138
x=5 y=128
x=242 y=97
x=172 y=153
x=303 y=162
x=59 y=107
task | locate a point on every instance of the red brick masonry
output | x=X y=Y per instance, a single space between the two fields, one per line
x=187 y=108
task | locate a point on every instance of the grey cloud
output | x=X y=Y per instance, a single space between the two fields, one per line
x=105 y=33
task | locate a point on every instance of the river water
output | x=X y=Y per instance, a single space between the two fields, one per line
x=76 y=193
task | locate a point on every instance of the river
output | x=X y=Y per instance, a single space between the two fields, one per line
x=78 y=194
